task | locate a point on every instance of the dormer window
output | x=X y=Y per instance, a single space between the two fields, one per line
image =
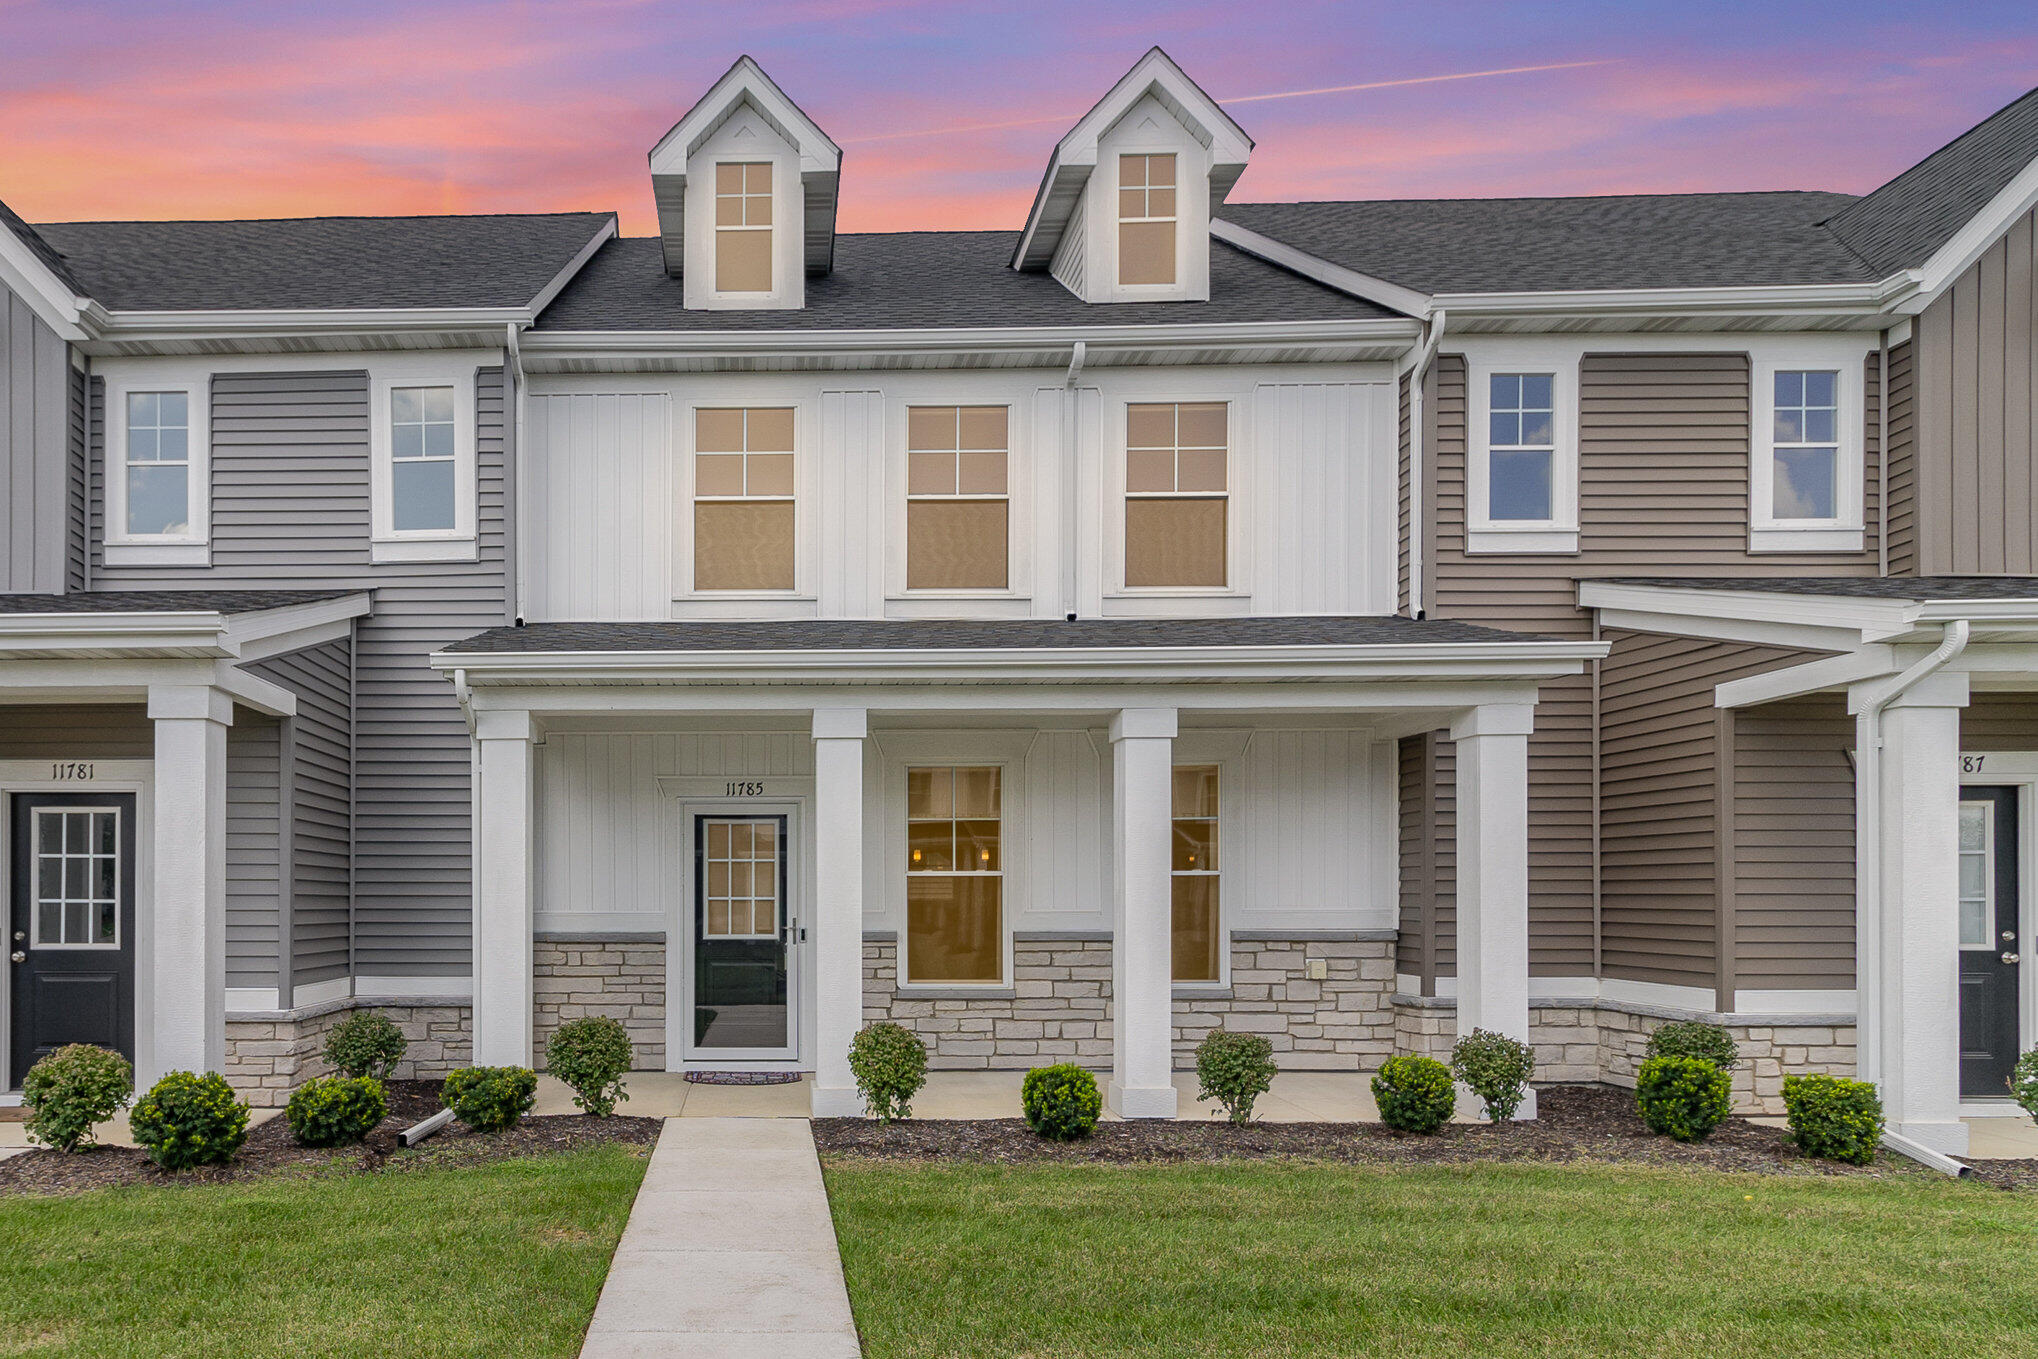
x=743 y=227
x=1146 y=220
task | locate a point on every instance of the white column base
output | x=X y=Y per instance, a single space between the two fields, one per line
x=1141 y=1101
x=830 y=1101
x=1948 y=1138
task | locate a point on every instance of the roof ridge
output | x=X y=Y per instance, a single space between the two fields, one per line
x=1545 y=198
x=329 y=217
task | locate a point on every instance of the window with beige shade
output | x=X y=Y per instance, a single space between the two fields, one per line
x=957 y=512
x=1176 y=457
x=743 y=498
x=1146 y=219
x=955 y=876
x=1197 y=937
x=743 y=227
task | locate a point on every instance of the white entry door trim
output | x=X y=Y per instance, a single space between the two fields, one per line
x=772 y=798
x=2014 y=769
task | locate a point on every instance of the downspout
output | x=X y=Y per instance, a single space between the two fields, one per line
x=1868 y=846
x=1071 y=487
x=514 y=478
x=1416 y=373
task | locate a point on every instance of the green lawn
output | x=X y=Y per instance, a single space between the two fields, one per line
x=498 y=1260
x=1061 y=1261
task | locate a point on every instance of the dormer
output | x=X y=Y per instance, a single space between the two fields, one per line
x=1123 y=213
x=746 y=186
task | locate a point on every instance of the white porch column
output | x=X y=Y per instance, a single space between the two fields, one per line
x=503 y=827
x=1919 y=1013
x=1492 y=789
x=838 y=908
x=1142 y=987
x=183 y=1026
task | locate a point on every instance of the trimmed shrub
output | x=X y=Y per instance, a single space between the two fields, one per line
x=1415 y=1094
x=491 y=1098
x=1496 y=1068
x=1834 y=1118
x=591 y=1055
x=366 y=1043
x=1695 y=1038
x=188 y=1120
x=1061 y=1102
x=2023 y=1083
x=328 y=1111
x=890 y=1065
x=1234 y=1069
x=70 y=1090
x=1683 y=1097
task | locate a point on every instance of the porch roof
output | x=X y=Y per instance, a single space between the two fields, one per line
x=1829 y=613
x=167 y=601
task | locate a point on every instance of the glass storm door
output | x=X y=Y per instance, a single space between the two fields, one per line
x=71 y=926
x=1991 y=954
x=741 y=932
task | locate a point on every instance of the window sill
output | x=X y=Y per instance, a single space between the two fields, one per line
x=159 y=554
x=989 y=991
x=381 y=550
x=1804 y=540
x=1484 y=541
x=1202 y=991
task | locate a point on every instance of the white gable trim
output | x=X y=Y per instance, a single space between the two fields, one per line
x=37 y=284
x=1406 y=300
x=1972 y=241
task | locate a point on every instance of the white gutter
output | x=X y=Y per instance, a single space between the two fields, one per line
x=1417 y=374
x=1868 y=845
x=1071 y=490
x=1804 y=297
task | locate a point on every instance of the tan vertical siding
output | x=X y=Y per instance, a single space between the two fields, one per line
x=1791 y=846
x=1976 y=375
x=1903 y=469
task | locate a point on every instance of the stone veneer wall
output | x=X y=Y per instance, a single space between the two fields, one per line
x=622 y=977
x=1059 y=1005
x=268 y=1056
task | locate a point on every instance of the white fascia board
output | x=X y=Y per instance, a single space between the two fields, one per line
x=1968 y=244
x=242 y=324
x=1393 y=295
x=1982 y=612
x=95 y=635
x=1810 y=299
x=1813 y=677
x=36 y=284
x=544 y=295
x=745 y=80
x=1838 y=623
x=272 y=632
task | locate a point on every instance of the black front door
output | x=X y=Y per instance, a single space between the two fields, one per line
x=1990 y=933
x=740 y=934
x=71 y=936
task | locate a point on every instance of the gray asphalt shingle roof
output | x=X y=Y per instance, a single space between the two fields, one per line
x=1901 y=224
x=930 y=278
x=1922 y=589
x=893 y=634
x=1486 y=245
x=167 y=601
x=321 y=262
x=38 y=247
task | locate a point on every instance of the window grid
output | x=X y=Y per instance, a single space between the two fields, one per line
x=1805 y=446
x=1977 y=874
x=1195 y=890
x=744 y=486
x=158 y=484
x=958 y=521
x=743 y=214
x=1177 y=453
x=1521 y=448
x=77 y=878
x=742 y=895
x=421 y=455
x=954 y=834
x=1146 y=219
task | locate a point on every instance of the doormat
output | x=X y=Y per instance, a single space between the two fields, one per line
x=742 y=1077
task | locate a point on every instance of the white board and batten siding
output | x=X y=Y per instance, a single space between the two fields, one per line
x=606 y=515
x=1307 y=829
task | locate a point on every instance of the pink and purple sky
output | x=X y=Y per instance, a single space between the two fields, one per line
x=947 y=112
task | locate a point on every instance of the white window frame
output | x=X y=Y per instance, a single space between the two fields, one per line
x=1843 y=532
x=194 y=546
x=802 y=499
x=900 y=456
x=1005 y=875
x=1559 y=533
x=1237 y=550
x=387 y=543
x=1118 y=221
x=715 y=227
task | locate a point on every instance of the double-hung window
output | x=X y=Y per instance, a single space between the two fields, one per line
x=1197 y=937
x=958 y=521
x=158 y=464
x=422 y=476
x=1146 y=219
x=158 y=472
x=743 y=227
x=423 y=480
x=955 y=876
x=743 y=526
x=1521 y=456
x=1806 y=472
x=1521 y=448
x=1177 y=470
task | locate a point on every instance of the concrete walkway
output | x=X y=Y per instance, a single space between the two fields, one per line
x=729 y=1252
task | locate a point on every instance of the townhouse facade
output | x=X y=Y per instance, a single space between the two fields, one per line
x=1353 y=622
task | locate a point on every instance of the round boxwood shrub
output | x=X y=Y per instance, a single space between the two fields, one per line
x=1695 y=1038
x=591 y=1055
x=1683 y=1097
x=365 y=1043
x=491 y=1098
x=890 y=1065
x=1234 y=1069
x=2023 y=1083
x=70 y=1090
x=188 y=1120
x=328 y=1111
x=1415 y=1094
x=1840 y=1120
x=1496 y=1068
x=1061 y=1102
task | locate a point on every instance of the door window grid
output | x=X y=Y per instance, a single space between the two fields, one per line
x=954 y=875
x=742 y=891
x=77 y=878
x=1194 y=886
x=1977 y=874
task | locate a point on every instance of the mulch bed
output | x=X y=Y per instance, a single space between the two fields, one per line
x=271 y=1151
x=1573 y=1124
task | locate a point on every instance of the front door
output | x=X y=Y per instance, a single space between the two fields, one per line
x=71 y=936
x=741 y=931
x=1990 y=949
